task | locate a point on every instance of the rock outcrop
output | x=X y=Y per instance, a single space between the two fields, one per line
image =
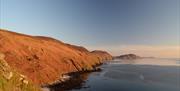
x=43 y=59
x=128 y=57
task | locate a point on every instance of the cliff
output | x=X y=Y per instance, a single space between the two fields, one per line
x=44 y=60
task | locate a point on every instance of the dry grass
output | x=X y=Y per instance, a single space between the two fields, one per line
x=15 y=82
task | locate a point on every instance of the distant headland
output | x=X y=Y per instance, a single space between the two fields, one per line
x=128 y=57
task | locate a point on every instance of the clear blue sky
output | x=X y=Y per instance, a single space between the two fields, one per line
x=96 y=22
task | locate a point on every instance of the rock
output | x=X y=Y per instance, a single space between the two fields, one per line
x=25 y=81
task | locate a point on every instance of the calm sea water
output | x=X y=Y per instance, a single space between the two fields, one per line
x=132 y=75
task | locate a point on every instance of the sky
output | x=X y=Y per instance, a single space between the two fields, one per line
x=144 y=27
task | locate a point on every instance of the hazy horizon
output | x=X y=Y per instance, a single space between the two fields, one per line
x=143 y=27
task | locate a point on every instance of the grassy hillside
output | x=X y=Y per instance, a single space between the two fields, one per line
x=43 y=59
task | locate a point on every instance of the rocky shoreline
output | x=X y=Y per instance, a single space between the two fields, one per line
x=71 y=80
x=69 y=77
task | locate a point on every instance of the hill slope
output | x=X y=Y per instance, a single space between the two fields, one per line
x=44 y=59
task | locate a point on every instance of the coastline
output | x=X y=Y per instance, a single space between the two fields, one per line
x=75 y=80
x=45 y=60
x=71 y=76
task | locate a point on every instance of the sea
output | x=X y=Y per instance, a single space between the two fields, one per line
x=147 y=74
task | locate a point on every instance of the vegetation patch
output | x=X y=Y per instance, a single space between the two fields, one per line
x=11 y=80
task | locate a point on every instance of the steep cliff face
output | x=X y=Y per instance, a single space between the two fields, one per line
x=44 y=59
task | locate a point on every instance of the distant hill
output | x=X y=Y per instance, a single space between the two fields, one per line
x=128 y=57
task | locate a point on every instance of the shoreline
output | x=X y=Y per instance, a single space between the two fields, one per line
x=69 y=77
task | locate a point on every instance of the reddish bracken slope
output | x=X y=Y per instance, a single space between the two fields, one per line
x=44 y=59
